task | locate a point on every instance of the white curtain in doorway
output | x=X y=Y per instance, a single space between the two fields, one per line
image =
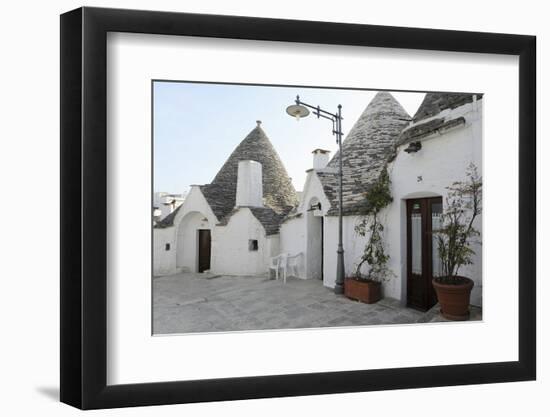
x=416 y=243
x=437 y=268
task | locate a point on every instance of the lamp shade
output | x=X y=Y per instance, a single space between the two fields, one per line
x=297 y=111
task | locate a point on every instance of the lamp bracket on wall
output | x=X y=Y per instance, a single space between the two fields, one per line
x=313 y=207
x=414 y=147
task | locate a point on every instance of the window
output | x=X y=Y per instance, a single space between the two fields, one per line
x=252 y=245
x=167 y=246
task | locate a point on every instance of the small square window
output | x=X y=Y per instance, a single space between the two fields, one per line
x=253 y=245
x=167 y=246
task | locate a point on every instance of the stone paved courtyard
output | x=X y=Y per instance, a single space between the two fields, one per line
x=189 y=303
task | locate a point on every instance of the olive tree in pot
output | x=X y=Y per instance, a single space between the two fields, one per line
x=367 y=287
x=455 y=238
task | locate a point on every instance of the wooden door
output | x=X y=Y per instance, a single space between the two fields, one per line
x=204 y=249
x=423 y=215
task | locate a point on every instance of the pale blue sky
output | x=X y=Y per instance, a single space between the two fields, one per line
x=197 y=126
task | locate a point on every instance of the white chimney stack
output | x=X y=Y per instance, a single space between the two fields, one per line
x=249 y=184
x=320 y=158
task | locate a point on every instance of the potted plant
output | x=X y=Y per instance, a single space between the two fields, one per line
x=455 y=238
x=367 y=287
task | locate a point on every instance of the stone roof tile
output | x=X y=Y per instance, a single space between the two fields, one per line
x=435 y=103
x=366 y=150
x=269 y=218
x=168 y=220
x=279 y=194
x=421 y=130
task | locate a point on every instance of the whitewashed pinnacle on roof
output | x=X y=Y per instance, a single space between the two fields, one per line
x=366 y=149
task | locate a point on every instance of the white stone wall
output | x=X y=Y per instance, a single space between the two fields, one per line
x=164 y=261
x=353 y=247
x=193 y=210
x=187 y=241
x=320 y=158
x=249 y=184
x=230 y=246
x=273 y=244
x=292 y=241
x=441 y=161
x=314 y=242
x=294 y=232
x=230 y=252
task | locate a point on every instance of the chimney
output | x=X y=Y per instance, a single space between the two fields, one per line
x=249 y=184
x=320 y=158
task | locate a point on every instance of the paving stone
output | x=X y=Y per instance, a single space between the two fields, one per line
x=189 y=303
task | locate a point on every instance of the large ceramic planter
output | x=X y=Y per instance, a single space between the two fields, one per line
x=454 y=299
x=365 y=291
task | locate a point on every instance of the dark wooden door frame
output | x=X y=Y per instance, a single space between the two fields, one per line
x=432 y=297
x=204 y=249
x=427 y=294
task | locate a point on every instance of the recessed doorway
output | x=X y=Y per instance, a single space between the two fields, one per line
x=205 y=244
x=315 y=243
x=423 y=217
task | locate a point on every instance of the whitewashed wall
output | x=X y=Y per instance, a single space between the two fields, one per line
x=292 y=241
x=441 y=161
x=165 y=262
x=230 y=251
x=187 y=240
x=314 y=242
x=353 y=247
x=249 y=184
x=297 y=235
x=294 y=232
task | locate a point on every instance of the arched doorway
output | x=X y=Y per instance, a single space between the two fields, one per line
x=194 y=241
x=314 y=240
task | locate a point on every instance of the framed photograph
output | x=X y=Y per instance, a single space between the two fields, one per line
x=260 y=208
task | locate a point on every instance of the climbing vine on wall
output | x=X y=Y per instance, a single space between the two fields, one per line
x=378 y=196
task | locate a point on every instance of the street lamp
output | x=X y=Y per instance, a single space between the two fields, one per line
x=300 y=110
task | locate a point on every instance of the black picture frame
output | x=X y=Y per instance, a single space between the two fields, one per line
x=84 y=207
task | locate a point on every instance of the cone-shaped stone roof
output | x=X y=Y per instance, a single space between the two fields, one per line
x=366 y=150
x=278 y=191
x=435 y=103
x=279 y=194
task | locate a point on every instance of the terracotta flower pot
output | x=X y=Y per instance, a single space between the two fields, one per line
x=454 y=298
x=365 y=291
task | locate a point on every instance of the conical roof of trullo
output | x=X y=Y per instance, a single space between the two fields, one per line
x=366 y=150
x=278 y=191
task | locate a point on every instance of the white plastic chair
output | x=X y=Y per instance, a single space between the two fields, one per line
x=292 y=263
x=285 y=262
x=279 y=262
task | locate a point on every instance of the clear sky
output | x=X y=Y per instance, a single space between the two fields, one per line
x=197 y=126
